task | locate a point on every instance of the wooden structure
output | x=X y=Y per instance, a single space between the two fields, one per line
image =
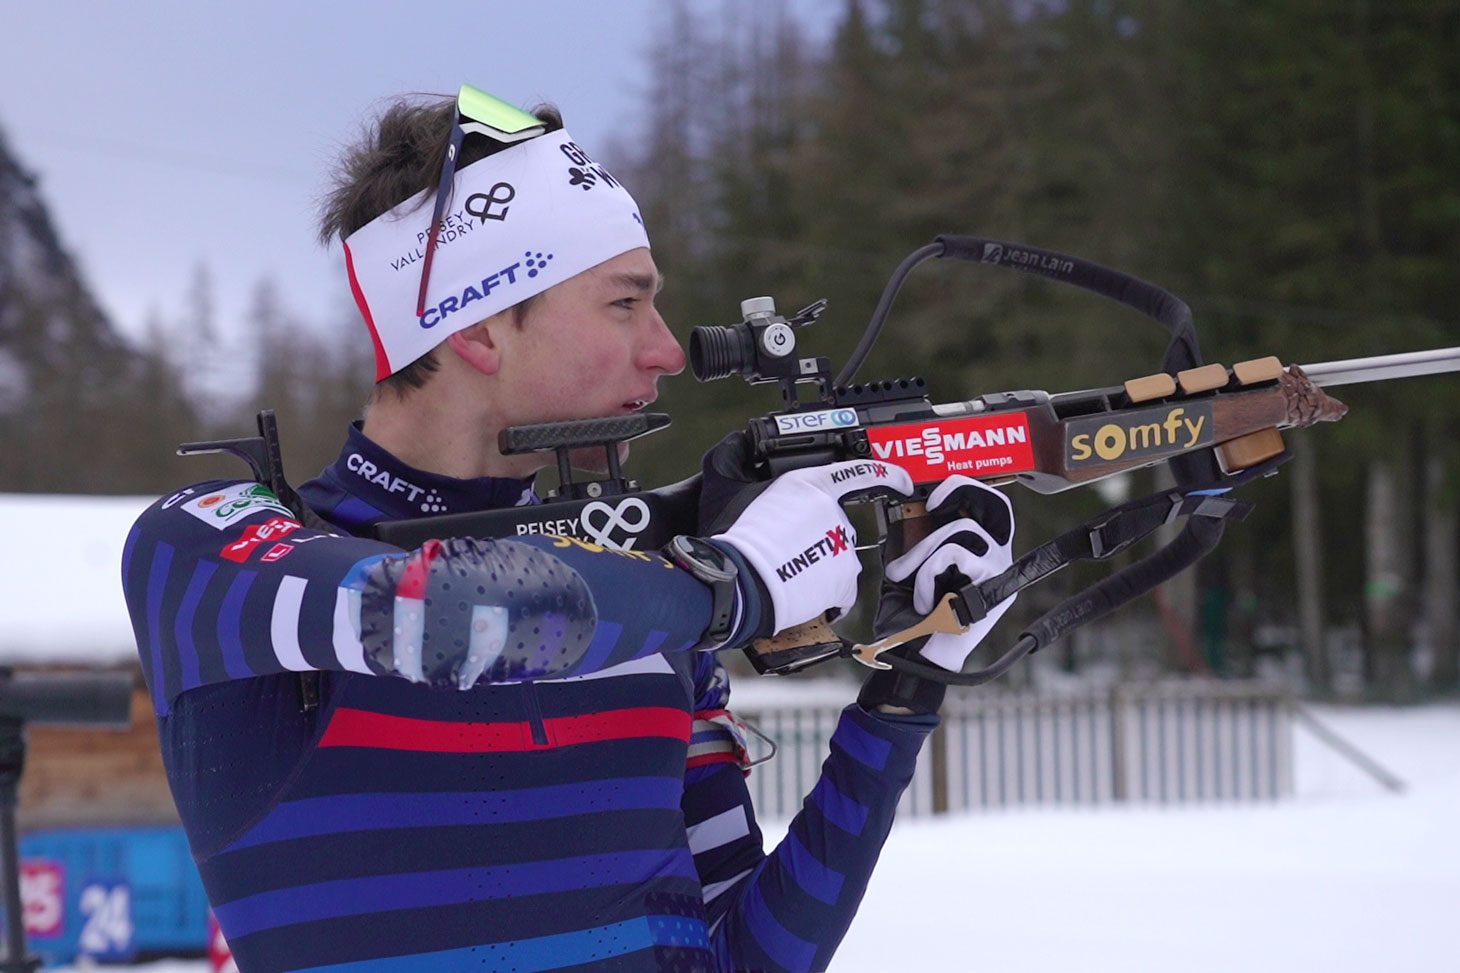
x=89 y=777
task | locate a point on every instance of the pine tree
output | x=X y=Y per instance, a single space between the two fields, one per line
x=1316 y=209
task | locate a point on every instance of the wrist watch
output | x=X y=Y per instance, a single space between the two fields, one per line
x=712 y=566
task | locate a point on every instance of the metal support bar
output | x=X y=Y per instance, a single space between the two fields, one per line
x=1390 y=781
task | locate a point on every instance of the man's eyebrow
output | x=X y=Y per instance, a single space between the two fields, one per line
x=638 y=282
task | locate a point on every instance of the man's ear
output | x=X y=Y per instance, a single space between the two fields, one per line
x=477 y=345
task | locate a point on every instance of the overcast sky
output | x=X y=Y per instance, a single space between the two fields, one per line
x=168 y=133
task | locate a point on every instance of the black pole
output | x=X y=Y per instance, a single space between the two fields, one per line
x=12 y=762
x=66 y=699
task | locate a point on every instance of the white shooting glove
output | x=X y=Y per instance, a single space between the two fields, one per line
x=799 y=542
x=978 y=546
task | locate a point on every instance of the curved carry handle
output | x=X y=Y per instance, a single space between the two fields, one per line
x=1160 y=305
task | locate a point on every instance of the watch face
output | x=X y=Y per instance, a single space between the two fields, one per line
x=708 y=562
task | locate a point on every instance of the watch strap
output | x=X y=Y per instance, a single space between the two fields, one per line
x=711 y=565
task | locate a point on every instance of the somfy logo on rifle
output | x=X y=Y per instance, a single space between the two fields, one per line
x=1133 y=435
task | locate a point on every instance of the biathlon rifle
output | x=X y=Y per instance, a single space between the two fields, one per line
x=1217 y=427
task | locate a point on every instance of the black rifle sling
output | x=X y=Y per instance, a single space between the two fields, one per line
x=1098 y=539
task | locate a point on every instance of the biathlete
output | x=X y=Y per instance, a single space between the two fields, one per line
x=518 y=753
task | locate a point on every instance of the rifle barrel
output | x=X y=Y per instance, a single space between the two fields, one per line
x=1379 y=368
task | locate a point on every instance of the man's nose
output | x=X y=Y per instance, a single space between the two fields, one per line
x=660 y=351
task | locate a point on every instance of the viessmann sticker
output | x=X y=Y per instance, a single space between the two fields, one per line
x=225 y=507
x=975 y=446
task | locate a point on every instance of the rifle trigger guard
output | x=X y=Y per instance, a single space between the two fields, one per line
x=943 y=618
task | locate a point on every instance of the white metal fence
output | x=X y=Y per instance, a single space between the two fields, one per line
x=1161 y=742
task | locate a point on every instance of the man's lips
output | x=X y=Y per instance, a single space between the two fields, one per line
x=635 y=405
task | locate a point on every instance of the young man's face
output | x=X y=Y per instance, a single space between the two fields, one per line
x=591 y=346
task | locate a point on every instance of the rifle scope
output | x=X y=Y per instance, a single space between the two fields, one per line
x=760 y=348
x=717 y=352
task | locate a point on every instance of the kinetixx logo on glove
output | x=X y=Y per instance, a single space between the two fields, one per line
x=835 y=541
x=795 y=533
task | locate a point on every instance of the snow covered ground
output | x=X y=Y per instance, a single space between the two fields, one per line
x=1346 y=877
x=92 y=531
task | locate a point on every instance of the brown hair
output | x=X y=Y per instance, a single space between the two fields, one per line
x=397 y=156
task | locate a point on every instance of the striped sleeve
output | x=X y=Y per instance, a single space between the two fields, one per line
x=222 y=583
x=719 y=818
x=790 y=909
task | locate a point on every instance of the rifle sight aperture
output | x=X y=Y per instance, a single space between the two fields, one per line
x=716 y=352
x=760 y=348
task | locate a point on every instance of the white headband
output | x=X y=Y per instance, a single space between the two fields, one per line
x=519 y=221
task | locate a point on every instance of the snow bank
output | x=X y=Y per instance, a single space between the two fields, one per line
x=62 y=579
x=1347 y=877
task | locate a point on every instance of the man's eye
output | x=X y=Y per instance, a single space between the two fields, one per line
x=627 y=303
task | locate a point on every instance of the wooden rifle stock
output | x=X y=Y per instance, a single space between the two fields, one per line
x=1053 y=443
x=1239 y=413
x=1240 y=419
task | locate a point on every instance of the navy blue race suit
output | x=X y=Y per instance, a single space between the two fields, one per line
x=596 y=820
